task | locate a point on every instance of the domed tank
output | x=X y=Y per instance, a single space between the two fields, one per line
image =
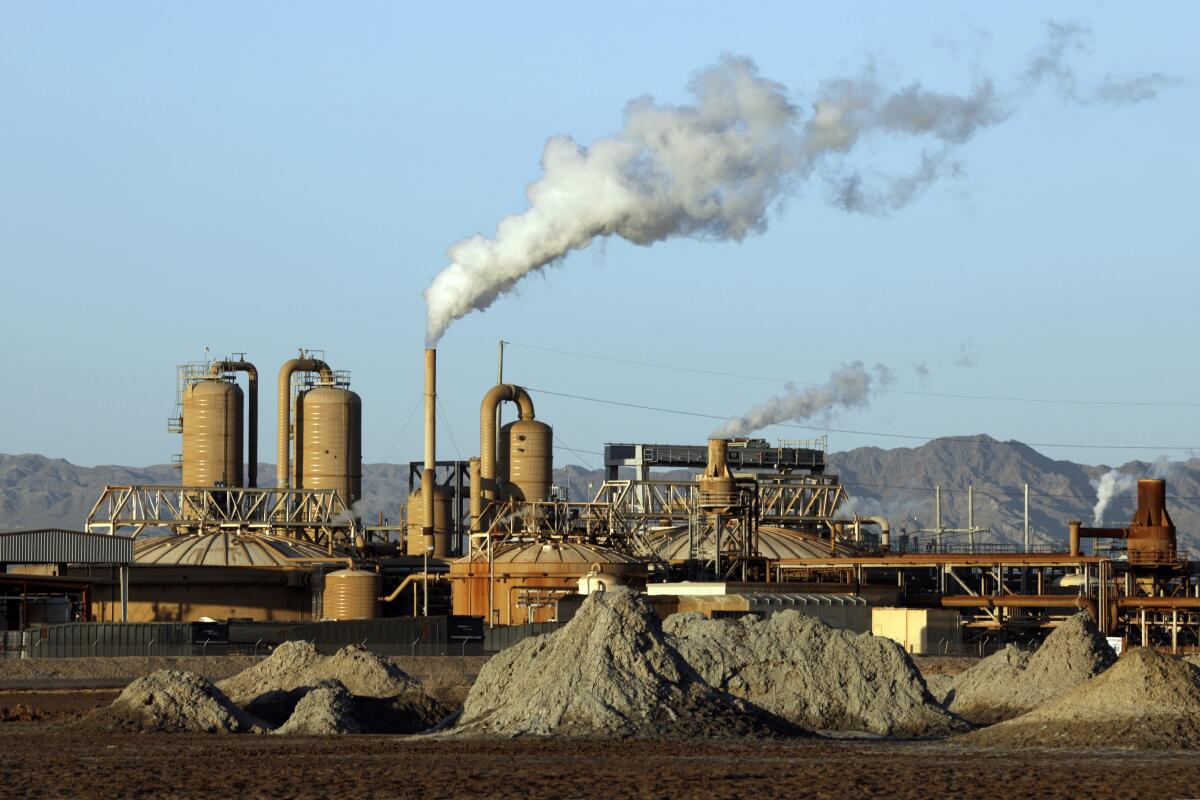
x=352 y=594
x=212 y=434
x=527 y=579
x=443 y=517
x=527 y=459
x=330 y=450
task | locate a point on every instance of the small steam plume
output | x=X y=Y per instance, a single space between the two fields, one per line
x=1109 y=486
x=713 y=169
x=851 y=386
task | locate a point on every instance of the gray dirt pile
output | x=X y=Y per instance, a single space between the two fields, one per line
x=609 y=672
x=1148 y=700
x=169 y=701
x=325 y=709
x=1010 y=682
x=386 y=700
x=280 y=671
x=797 y=667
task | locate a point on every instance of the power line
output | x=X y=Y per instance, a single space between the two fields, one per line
x=879 y=434
x=944 y=395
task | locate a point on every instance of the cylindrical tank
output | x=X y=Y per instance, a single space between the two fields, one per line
x=443 y=518
x=527 y=459
x=352 y=594
x=330 y=450
x=212 y=434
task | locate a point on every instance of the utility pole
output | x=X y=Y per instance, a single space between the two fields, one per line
x=1027 y=518
x=971 y=517
x=937 y=515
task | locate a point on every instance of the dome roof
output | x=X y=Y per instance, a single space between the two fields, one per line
x=560 y=553
x=773 y=543
x=225 y=549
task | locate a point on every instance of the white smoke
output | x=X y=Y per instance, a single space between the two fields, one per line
x=851 y=386
x=1110 y=484
x=859 y=506
x=715 y=168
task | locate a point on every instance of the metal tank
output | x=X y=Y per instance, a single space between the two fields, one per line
x=330 y=444
x=212 y=433
x=443 y=518
x=527 y=460
x=352 y=594
x=718 y=489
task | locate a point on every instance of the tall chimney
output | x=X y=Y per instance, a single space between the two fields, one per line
x=427 y=490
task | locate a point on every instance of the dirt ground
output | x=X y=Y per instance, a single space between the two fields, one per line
x=47 y=758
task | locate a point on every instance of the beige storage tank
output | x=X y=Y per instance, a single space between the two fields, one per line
x=527 y=459
x=352 y=594
x=330 y=450
x=212 y=433
x=443 y=519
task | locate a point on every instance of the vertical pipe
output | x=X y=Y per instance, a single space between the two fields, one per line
x=971 y=517
x=1027 y=518
x=1073 y=536
x=937 y=514
x=283 y=433
x=476 y=498
x=427 y=475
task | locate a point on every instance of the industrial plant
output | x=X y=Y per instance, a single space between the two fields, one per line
x=754 y=528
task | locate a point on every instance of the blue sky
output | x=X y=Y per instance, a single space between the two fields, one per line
x=262 y=177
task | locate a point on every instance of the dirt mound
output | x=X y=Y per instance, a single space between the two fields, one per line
x=22 y=713
x=363 y=673
x=325 y=709
x=278 y=672
x=609 y=672
x=169 y=701
x=1010 y=682
x=797 y=667
x=386 y=699
x=1148 y=700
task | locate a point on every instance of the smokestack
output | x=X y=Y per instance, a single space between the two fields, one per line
x=427 y=490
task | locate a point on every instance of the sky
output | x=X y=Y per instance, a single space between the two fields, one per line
x=265 y=177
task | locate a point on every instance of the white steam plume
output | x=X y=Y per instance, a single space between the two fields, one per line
x=1109 y=486
x=715 y=168
x=850 y=386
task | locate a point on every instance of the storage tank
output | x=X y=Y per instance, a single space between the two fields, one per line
x=527 y=459
x=352 y=594
x=330 y=445
x=526 y=580
x=443 y=522
x=212 y=433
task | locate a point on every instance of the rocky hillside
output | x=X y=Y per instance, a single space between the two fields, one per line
x=38 y=491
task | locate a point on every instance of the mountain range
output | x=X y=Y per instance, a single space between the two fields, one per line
x=36 y=491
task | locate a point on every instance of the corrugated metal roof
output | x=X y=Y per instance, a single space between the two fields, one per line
x=561 y=553
x=58 y=546
x=803 y=599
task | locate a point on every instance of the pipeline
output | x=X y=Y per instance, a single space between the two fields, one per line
x=499 y=393
x=439 y=545
x=251 y=371
x=284 y=422
x=1022 y=601
x=432 y=577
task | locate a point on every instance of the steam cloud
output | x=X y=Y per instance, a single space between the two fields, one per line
x=851 y=386
x=1110 y=484
x=713 y=169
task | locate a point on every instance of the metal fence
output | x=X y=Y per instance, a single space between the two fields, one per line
x=497 y=639
x=412 y=636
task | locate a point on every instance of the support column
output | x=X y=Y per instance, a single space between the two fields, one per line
x=124 y=581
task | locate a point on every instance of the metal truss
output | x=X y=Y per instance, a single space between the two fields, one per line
x=314 y=515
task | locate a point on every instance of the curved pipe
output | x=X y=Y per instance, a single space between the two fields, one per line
x=885 y=530
x=284 y=421
x=251 y=371
x=487 y=433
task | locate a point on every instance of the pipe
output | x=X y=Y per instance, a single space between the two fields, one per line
x=487 y=434
x=1021 y=601
x=476 y=500
x=413 y=578
x=283 y=418
x=251 y=413
x=1158 y=602
x=885 y=530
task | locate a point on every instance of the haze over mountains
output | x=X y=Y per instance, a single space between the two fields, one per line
x=36 y=491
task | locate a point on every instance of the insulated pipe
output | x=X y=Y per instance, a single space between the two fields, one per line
x=885 y=530
x=251 y=413
x=428 y=492
x=1076 y=531
x=284 y=421
x=487 y=433
x=476 y=500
